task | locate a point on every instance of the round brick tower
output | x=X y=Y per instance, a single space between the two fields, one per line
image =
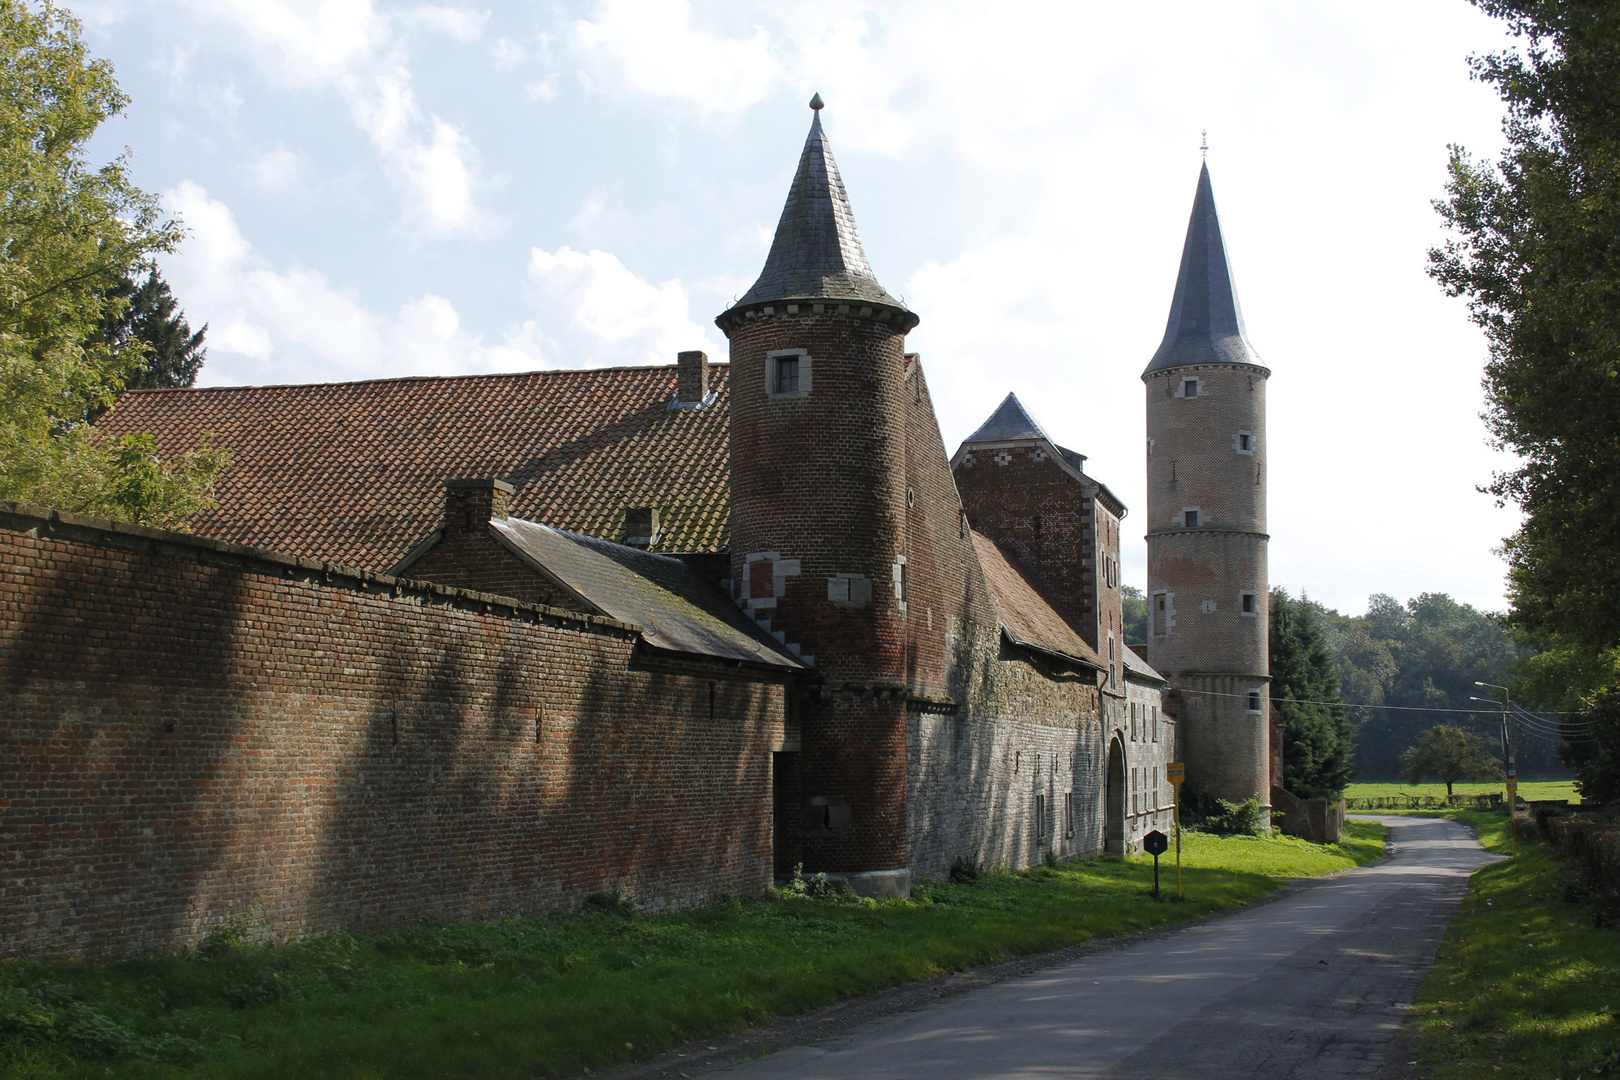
x=818 y=519
x=1207 y=590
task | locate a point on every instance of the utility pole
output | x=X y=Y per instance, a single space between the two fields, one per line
x=1507 y=753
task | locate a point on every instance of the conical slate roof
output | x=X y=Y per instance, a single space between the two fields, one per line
x=1009 y=423
x=817 y=252
x=1206 y=324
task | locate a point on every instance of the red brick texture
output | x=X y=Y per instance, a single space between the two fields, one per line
x=194 y=730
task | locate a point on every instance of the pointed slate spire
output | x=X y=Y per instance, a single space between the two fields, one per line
x=1009 y=423
x=817 y=252
x=1206 y=324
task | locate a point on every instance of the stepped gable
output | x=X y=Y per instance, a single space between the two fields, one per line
x=354 y=472
x=1027 y=617
x=672 y=605
x=817 y=253
x=1206 y=323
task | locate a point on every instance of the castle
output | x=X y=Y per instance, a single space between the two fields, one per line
x=489 y=644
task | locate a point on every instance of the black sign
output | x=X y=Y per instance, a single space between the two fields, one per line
x=1155 y=843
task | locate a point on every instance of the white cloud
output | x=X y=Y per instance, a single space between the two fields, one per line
x=654 y=49
x=628 y=319
x=348 y=47
x=278 y=170
x=307 y=327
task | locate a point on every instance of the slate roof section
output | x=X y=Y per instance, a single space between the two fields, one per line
x=1135 y=665
x=1027 y=617
x=354 y=472
x=1206 y=323
x=673 y=606
x=1009 y=423
x=817 y=253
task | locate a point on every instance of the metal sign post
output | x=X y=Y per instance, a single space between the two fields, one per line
x=1513 y=823
x=1175 y=772
x=1154 y=844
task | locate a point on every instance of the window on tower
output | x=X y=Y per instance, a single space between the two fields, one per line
x=787 y=374
x=1243 y=442
x=1248 y=603
x=1254 y=700
x=1189 y=518
x=1189 y=387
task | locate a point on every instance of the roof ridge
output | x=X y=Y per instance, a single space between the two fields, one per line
x=418 y=378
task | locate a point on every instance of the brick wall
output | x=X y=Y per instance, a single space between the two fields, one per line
x=193 y=730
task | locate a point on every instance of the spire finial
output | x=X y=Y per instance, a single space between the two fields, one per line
x=1205 y=147
x=817 y=104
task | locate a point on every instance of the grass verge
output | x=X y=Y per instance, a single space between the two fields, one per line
x=1524 y=986
x=593 y=987
x=1528 y=789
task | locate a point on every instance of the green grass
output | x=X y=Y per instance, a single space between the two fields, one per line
x=543 y=996
x=1528 y=789
x=1525 y=986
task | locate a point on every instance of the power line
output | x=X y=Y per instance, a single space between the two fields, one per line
x=1586 y=724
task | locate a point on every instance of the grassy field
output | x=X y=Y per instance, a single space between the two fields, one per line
x=588 y=988
x=1528 y=789
x=1525 y=986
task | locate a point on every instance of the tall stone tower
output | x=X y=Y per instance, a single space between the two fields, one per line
x=818 y=520
x=1207 y=592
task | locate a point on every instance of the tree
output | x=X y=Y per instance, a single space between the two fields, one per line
x=1533 y=247
x=69 y=234
x=149 y=334
x=1134 y=620
x=1596 y=755
x=1317 y=738
x=1450 y=754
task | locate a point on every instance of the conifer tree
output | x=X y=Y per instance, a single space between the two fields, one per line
x=1317 y=738
x=150 y=333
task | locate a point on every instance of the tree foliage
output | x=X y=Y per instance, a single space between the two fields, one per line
x=1449 y=754
x=1534 y=247
x=1134 y=620
x=1317 y=738
x=149 y=336
x=1597 y=762
x=70 y=232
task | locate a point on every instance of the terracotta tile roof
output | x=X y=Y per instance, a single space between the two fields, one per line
x=354 y=472
x=673 y=605
x=1028 y=617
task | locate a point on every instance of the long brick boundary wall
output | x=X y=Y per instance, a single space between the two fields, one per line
x=194 y=730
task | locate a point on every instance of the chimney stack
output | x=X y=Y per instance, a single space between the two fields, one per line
x=472 y=502
x=691 y=377
x=641 y=525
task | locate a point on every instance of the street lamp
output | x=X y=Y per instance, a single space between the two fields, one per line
x=1507 y=752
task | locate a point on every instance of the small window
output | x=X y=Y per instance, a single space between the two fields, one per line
x=1190 y=518
x=787 y=374
x=1040 y=818
x=1068 y=814
x=1245 y=443
x=1189 y=387
x=1160 y=615
x=1254 y=701
x=1133 y=721
x=1248 y=603
x=1153 y=722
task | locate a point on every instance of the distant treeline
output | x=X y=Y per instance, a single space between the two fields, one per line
x=1424 y=654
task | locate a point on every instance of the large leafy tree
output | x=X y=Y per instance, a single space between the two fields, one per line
x=1317 y=736
x=70 y=232
x=1534 y=247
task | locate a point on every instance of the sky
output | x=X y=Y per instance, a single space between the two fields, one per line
x=375 y=190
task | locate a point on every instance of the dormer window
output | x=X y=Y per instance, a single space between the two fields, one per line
x=787 y=374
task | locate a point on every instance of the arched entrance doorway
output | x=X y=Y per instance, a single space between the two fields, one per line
x=1114 y=800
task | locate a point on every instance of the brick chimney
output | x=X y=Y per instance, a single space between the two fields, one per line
x=691 y=377
x=472 y=502
x=641 y=524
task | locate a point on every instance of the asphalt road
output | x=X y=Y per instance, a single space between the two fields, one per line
x=1314 y=985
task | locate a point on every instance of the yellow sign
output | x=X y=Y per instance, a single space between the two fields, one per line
x=1512 y=788
x=1175 y=772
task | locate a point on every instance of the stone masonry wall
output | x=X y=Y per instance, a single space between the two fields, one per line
x=193 y=730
